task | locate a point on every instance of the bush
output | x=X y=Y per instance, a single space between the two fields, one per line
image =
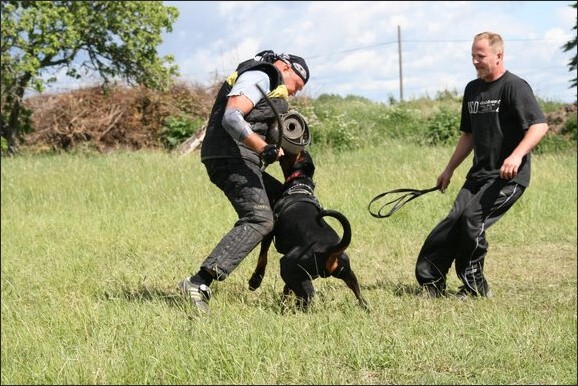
x=403 y=122
x=553 y=143
x=178 y=129
x=136 y=118
x=569 y=129
x=4 y=145
x=442 y=128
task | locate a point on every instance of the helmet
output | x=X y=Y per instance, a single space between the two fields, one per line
x=295 y=134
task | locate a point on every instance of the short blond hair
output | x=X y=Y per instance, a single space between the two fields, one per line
x=494 y=39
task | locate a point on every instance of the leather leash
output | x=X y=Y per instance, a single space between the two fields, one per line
x=409 y=194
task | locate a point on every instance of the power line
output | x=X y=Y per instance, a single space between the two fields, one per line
x=414 y=41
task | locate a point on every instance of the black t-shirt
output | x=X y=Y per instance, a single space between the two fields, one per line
x=498 y=114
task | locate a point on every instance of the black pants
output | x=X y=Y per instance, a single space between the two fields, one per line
x=461 y=236
x=252 y=193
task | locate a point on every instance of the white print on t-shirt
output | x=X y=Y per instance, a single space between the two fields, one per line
x=483 y=107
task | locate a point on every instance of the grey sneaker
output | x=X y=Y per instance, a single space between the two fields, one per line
x=199 y=295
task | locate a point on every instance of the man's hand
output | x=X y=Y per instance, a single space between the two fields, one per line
x=510 y=167
x=444 y=180
x=269 y=154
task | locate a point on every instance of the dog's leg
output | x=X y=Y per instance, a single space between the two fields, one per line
x=351 y=281
x=259 y=273
x=304 y=296
x=285 y=299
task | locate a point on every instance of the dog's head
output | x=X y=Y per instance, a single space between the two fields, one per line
x=297 y=166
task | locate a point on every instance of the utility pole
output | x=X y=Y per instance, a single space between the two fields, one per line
x=400 y=71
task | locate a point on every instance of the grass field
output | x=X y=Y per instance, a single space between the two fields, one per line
x=94 y=245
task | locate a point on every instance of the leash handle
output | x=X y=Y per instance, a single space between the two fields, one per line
x=409 y=194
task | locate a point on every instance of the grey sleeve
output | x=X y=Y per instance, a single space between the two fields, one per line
x=233 y=120
x=236 y=125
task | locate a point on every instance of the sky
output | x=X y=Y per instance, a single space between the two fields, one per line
x=380 y=50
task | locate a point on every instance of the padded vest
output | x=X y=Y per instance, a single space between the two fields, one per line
x=218 y=144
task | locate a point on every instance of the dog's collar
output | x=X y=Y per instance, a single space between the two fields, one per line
x=292 y=176
x=299 y=188
x=285 y=201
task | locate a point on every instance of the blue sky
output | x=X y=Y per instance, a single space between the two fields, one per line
x=351 y=47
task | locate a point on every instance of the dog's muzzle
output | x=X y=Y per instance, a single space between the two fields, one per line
x=295 y=134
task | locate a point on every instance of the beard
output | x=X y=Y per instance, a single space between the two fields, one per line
x=482 y=73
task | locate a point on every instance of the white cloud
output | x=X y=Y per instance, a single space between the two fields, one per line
x=351 y=47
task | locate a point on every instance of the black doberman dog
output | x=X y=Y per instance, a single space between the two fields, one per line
x=310 y=246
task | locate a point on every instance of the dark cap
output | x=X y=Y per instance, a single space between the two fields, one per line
x=299 y=66
x=297 y=63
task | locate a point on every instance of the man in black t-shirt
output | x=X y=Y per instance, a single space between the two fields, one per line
x=501 y=122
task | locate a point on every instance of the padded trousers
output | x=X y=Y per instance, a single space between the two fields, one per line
x=251 y=192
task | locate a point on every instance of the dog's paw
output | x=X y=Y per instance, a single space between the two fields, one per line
x=255 y=281
x=364 y=305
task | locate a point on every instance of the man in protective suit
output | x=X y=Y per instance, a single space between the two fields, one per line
x=234 y=150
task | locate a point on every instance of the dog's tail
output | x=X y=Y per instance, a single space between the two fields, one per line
x=333 y=252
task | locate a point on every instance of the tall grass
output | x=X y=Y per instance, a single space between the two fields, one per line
x=93 y=246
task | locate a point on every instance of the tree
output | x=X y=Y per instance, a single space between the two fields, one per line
x=115 y=39
x=571 y=45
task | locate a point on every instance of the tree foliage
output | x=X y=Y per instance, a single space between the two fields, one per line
x=571 y=45
x=115 y=39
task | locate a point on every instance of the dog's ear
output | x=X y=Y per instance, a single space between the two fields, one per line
x=309 y=169
x=305 y=157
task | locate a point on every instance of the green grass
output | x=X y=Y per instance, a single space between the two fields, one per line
x=93 y=246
